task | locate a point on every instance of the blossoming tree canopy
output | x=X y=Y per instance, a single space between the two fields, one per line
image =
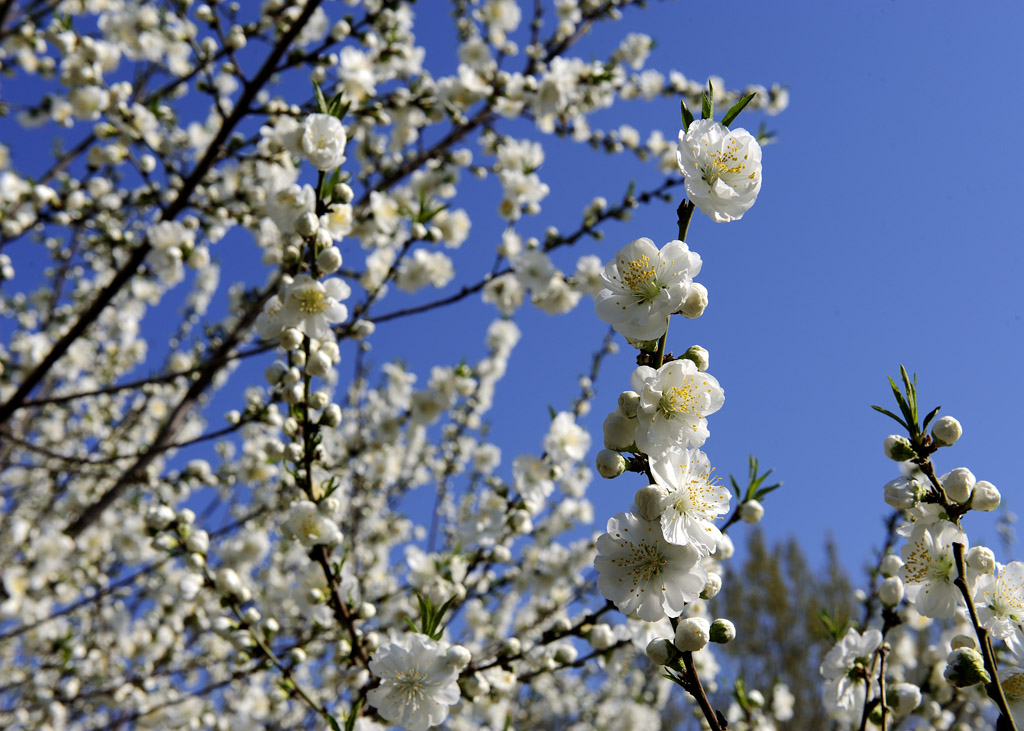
x=269 y=511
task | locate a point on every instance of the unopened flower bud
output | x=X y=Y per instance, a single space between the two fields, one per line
x=699 y=356
x=619 y=432
x=898 y=448
x=342 y=193
x=981 y=559
x=903 y=493
x=946 y=431
x=565 y=654
x=323 y=240
x=329 y=260
x=610 y=463
x=521 y=522
x=331 y=416
x=890 y=591
x=958 y=484
x=692 y=634
x=159 y=517
x=696 y=301
x=275 y=372
x=890 y=565
x=307 y=224
x=318 y=400
x=722 y=631
x=648 y=501
x=628 y=403
x=903 y=698
x=661 y=651
x=291 y=338
x=965 y=667
x=198 y=542
x=751 y=512
x=985 y=497
x=458 y=657
x=712 y=587
x=601 y=637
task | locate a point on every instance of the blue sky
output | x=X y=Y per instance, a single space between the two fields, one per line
x=884 y=233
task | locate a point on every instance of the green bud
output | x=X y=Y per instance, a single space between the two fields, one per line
x=722 y=631
x=898 y=448
x=699 y=356
x=965 y=667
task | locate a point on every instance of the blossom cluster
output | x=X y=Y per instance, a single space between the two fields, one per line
x=232 y=496
x=933 y=574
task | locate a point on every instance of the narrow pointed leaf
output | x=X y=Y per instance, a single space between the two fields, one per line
x=891 y=416
x=707 y=107
x=321 y=102
x=687 y=117
x=928 y=419
x=735 y=109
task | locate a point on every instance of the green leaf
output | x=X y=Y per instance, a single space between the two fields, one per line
x=707 y=105
x=735 y=109
x=334 y=723
x=928 y=419
x=321 y=102
x=353 y=716
x=686 y=115
x=891 y=416
x=551 y=412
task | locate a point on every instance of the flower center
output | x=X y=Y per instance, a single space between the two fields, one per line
x=724 y=162
x=310 y=301
x=925 y=565
x=1013 y=687
x=648 y=562
x=410 y=683
x=676 y=400
x=641 y=277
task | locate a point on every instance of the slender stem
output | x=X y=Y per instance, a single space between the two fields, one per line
x=693 y=687
x=882 y=653
x=994 y=688
x=659 y=354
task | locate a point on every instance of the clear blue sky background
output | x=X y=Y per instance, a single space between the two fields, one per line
x=886 y=232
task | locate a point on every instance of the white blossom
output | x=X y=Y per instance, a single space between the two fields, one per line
x=417 y=682
x=643 y=573
x=722 y=168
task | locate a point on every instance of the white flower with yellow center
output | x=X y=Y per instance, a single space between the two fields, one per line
x=929 y=568
x=722 y=168
x=323 y=141
x=674 y=401
x=693 y=500
x=313 y=306
x=643 y=286
x=642 y=573
x=417 y=683
x=310 y=527
x=1000 y=599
